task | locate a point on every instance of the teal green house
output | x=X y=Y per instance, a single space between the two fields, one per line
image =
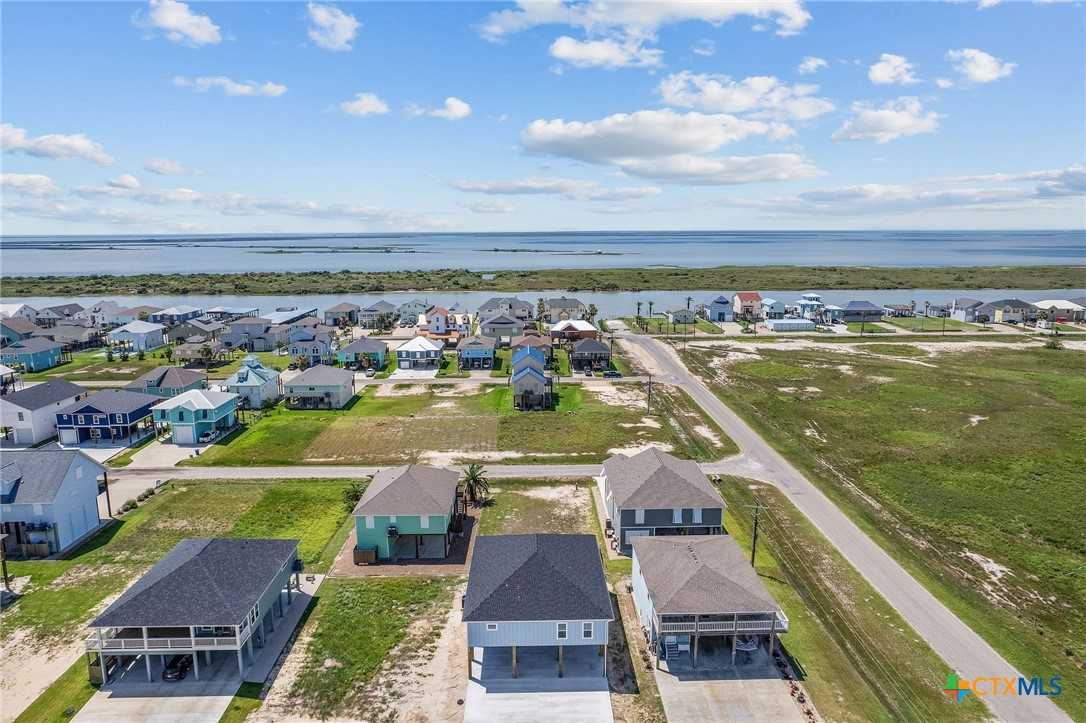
x=197 y=416
x=34 y=354
x=407 y=513
x=366 y=353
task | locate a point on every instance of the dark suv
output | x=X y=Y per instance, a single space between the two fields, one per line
x=177 y=667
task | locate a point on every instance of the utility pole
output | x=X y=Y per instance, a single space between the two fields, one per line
x=648 y=402
x=757 y=507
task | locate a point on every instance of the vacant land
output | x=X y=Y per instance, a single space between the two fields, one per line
x=60 y=594
x=617 y=279
x=660 y=325
x=933 y=325
x=960 y=463
x=529 y=506
x=842 y=634
x=340 y=658
x=857 y=327
x=92 y=365
x=445 y=424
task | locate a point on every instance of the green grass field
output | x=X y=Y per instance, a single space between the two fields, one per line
x=409 y=422
x=931 y=325
x=61 y=593
x=868 y=328
x=355 y=623
x=450 y=366
x=63 y=698
x=660 y=325
x=962 y=466
x=522 y=506
x=91 y=365
x=842 y=634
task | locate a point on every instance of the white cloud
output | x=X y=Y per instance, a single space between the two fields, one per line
x=599 y=16
x=895 y=119
x=761 y=96
x=454 y=109
x=28 y=184
x=892 y=70
x=180 y=23
x=491 y=207
x=985 y=4
x=570 y=188
x=607 y=53
x=165 y=167
x=810 y=65
x=704 y=47
x=723 y=171
x=364 y=104
x=944 y=83
x=53 y=145
x=126 y=181
x=230 y=87
x=62 y=211
x=978 y=66
x=1067 y=181
x=331 y=28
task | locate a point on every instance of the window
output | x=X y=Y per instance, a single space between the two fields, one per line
x=677 y=516
x=563 y=631
x=586 y=630
x=639 y=517
x=424 y=521
x=491 y=626
x=79 y=418
x=697 y=515
x=392 y=519
x=369 y=521
x=21 y=419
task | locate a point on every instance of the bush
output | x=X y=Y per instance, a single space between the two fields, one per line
x=353 y=493
x=129 y=506
x=1054 y=343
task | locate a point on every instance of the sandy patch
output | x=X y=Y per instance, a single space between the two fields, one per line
x=400 y=390
x=846 y=369
x=639 y=448
x=622 y=395
x=645 y=422
x=444 y=405
x=708 y=433
x=461 y=390
x=975 y=419
x=813 y=431
x=878 y=379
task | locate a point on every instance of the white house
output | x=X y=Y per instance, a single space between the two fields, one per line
x=176 y=314
x=8 y=311
x=48 y=500
x=1061 y=309
x=419 y=353
x=254 y=383
x=772 y=309
x=139 y=335
x=31 y=412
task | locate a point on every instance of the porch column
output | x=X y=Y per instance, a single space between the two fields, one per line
x=735 y=634
x=102 y=663
x=146 y=657
x=697 y=637
x=514 y=661
x=196 y=664
x=561 y=648
x=773 y=634
x=207 y=657
x=249 y=644
x=603 y=652
x=241 y=663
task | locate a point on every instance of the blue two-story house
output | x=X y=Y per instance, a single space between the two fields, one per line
x=476 y=352
x=315 y=345
x=34 y=354
x=111 y=416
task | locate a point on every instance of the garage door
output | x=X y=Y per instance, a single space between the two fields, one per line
x=24 y=435
x=184 y=435
x=69 y=436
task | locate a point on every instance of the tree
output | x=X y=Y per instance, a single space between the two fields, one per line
x=109 y=354
x=540 y=308
x=280 y=345
x=353 y=494
x=302 y=361
x=476 y=483
x=592 y=311
x=168 y=353
x=206 y=353
x=650 y=314
x=141 y=355
x=638 y=312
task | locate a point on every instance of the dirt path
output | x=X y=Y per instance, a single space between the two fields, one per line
x=27 y=668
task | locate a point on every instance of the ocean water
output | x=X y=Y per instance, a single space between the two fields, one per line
x=77 y=255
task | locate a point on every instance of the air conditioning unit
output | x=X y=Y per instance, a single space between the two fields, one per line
x=392 y=531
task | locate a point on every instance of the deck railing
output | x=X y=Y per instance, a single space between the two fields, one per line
x=121 y=644
x=717 y=627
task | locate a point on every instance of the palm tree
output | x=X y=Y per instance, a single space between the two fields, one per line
x=540 y=308
x=650 y=314
x=168 y=353
x=592 y=311
x=639 y=312
x=476 y=484
x=206 y=353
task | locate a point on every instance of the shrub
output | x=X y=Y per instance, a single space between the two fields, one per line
x=1053 y=343
x=129 y=506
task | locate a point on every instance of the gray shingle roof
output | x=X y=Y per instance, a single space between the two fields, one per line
x=322 y=375
x=654 y=479
x=113 y=401
x=413 y=489
x=171 y=377
x=38 y=474
x=475 y=342
x=366 y=345
x=200 y=582
x=536 y=577
x=20 y=324
x=862 y=306
x=33 y=345
x=591 y=346
x=563 y=302
x=44 y=394
x=344 y=306
x=700 y=575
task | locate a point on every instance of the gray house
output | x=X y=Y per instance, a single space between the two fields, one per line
x=30 y=414
x=48 y=500
x=409 y=311
x=654 y=493
x=562 y=308
x=320 y=387
x=377 y=315
x=689 y=588
x=343 y=314
x=964 y=309
x=861 y=311
x=507 y=306
x=1004 y=310
x=215 y=596
x=501 y=325
x=542 y=594
x=590 y=354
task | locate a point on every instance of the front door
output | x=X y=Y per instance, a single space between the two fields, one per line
x=95 y=434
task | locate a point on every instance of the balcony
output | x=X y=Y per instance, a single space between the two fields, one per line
x=725 y=626
x=131 y=639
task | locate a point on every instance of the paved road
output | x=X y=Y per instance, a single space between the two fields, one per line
x=964 y=650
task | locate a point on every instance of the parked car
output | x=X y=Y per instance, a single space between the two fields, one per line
x=292 y=366
x=588 y=372
x=612 y=374
x=207 y=437
x=371 y=372
x=177 y=667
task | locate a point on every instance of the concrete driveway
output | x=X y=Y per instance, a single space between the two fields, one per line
x=751 y=692
x=537 y=694
x=157 y=454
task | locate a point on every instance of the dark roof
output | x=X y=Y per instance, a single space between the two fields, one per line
x=700 y=575
x=380 y=307
x=469 y=342
x=170 y=377
x=563 y=302
x=536 y=577
x=365 y=345
x=113 y=401
x=322 y=375
x=201 y=582
x=502 y=319
x=68 y=332
x=37 y=474
x=44 y=394
x=862 y=306
x=64 y=309
x=32 y=345
x=413 y=489
x=966 y=303
x=20 y=324
x=344 y=306
x=654 y=479
x=591 y=346
x=1013 y=303
x=512 y=301
x=531 y=340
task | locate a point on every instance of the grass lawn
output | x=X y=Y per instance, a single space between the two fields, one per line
x=521 y=506
x=386 y=606
x=843 y=636
x=660 y=325
x=932 y=325
x=61 y=593
x=91 y=365
x=960 y=467
x=270 y=359
x=868 y=328
x=502 y=362
x=450 y=366
x=561 y=361
x=408 y=423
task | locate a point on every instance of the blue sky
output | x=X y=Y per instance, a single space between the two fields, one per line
x=170 y=117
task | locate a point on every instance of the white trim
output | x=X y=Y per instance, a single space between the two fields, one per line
x=697 y=515
x=491 y=627
x=639 y=516
x=590 y=627
x=561 y=631
x=677 y=516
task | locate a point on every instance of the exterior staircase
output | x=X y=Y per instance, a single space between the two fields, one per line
x=671 y=649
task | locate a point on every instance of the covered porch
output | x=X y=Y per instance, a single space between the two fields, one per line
x=681 y=635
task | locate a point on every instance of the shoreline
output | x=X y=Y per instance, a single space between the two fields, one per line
x=789 y=278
